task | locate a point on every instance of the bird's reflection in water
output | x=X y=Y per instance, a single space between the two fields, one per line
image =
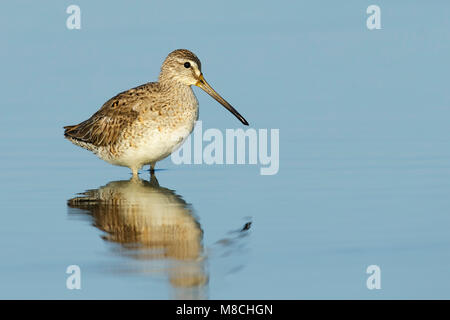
x=152 y=224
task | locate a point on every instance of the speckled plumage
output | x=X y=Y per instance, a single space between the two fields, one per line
x=145 y=124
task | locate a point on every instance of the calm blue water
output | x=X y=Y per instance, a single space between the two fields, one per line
x=364 y=152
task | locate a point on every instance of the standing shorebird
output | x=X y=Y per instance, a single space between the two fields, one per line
x=146 y=124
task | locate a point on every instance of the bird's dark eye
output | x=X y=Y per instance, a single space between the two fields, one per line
x=187 y=65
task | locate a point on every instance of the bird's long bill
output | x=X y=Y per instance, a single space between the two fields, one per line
x=201 y=83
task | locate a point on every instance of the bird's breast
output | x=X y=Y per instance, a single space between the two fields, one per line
x=157 y=136
x=159 y=129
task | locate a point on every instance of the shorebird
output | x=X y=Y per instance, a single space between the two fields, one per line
x=146 y=124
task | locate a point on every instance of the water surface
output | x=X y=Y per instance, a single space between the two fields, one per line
x=364 y=153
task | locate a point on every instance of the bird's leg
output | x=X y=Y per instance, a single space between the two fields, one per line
x=153 y=180
x=135 y=173
x=152 y=169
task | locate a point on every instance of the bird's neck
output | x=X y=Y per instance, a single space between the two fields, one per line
x=178 y=92
x=172 y=87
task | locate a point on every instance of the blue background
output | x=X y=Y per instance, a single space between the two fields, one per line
x=364 y=144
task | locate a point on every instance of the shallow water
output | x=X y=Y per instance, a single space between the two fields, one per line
x=364 y=154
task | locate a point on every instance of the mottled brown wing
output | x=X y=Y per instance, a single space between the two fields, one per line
x=106 y=125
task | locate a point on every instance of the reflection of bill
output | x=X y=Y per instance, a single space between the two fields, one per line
x=152 y=224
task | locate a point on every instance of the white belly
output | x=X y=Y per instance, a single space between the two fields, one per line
x=154 y=146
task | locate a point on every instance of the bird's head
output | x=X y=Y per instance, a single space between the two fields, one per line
x=183 y=67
